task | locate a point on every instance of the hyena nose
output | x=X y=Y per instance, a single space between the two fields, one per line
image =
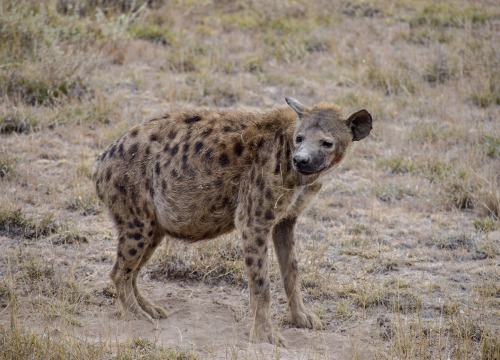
x=301 y=160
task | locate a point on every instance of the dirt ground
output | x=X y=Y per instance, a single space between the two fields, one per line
x=399 y=254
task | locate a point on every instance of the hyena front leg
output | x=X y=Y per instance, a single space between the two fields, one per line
x=284 y=244
x=255 y=227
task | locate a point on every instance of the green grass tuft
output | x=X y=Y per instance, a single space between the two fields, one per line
x=17 y=122
x=16 y=223
x=448 y=14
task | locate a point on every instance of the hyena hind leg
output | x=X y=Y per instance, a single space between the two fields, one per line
x=134 y=251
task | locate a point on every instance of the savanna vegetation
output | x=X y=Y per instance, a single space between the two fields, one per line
x=400 y=252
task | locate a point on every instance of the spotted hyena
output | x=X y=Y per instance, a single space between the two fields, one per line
x=196 y=175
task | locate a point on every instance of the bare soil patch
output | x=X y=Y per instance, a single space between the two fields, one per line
x=399 y=255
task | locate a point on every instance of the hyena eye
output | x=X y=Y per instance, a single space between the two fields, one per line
x=327 y=144
x=298 y=139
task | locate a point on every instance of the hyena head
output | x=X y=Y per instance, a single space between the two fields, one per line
x=322 y=136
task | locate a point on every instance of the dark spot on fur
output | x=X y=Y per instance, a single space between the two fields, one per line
x=187 y=170
x=175 y=174
x=157 y=168
x=151 y=189
x=184 y=159
x=133 y=149
x=269 y=194
x=244 y=235
x=258 y=213
x=133 y=193
x=197 y=147
x=118 y=219
x=114 y=199
x=249 y=221
x=218 y=182
x=249 y=261
x=108 y=174
x=277 y=167
x=226 y=128
x=208 y=155
x=132 y=252
x=121 y=240
x=166 y=147
x=134 y=132
x=294 y=265
x=185 y=148
x=251 y=249
x=135 y=236
x=260 y=263
x=138 y=223
x=120 y=150
x=128 y=270
x=172 y=134
x=112 y=151
x=260 y=242
x=260 y=182
x=261 y=143
x=120 y=255
x=174 y=150
x=163 y=185
x=140 y=244
x=206 y=132
x=238 y=149
x=224 y=159
x=261 y=282
x=145 y=208
x=269 y=215
x=150 y=233
x=192 y=119
x=288 y=157
x=122 y=189
x=148 y=150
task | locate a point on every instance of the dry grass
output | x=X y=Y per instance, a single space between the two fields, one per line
x=398 y=255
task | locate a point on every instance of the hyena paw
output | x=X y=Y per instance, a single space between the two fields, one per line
x=306 y=319
x=267 y=334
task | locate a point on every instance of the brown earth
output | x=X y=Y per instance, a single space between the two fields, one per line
x=400 y=251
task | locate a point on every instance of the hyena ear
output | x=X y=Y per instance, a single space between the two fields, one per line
x=361 y=124
x=297 y=106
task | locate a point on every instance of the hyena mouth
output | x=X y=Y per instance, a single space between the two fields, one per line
x=308 y=171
